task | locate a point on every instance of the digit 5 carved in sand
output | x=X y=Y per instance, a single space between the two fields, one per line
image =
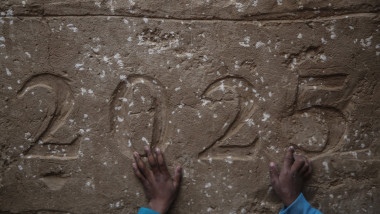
x=139 y=114
x=322 y=110
x=53 y=134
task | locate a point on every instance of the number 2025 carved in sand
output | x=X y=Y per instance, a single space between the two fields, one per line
x=56 y=132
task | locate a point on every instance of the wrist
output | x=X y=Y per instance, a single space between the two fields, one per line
x=289 y=200
x=159 y=206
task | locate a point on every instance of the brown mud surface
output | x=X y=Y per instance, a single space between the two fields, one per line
x=222 y=87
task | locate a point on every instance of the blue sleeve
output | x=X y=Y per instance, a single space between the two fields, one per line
x=144 y=210
x=299 y=206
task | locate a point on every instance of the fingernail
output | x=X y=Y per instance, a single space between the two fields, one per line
x=146 y=148
x=135 y=154
x=291 y=148
x=271 y=164
x=158 y=150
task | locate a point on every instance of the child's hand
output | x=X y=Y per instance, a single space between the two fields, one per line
x=288 y=185
x=160 y=189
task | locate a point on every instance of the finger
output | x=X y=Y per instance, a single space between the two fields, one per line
x=138 y=173
x=177 y=177
x=289 y=159
x=151 y=160
x=141 y=166
x=161 y=162
x=305 y=167
x=273 y=172
x=299 y=162
x=309 y=171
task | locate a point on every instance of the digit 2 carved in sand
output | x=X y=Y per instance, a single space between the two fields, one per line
x=54 y=134
x=238 y=140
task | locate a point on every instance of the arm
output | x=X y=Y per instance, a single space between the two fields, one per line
x=160 y=189
x=144 y=210
x=300 y=206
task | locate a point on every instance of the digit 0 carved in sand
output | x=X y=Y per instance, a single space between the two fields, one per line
x=139 y=114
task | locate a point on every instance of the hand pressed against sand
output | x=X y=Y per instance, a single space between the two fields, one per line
x=289 y=183
x=160 y=189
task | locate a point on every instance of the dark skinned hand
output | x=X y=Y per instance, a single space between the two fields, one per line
x=289 y=183
x=160 y=189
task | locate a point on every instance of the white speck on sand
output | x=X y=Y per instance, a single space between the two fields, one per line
x=265 y=117
x=259 y=44
x=323 y=57
x=326 y=165
x=145 y=140
x=8 y=72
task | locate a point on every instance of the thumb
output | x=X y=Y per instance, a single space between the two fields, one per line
x=273 y=174
x=177 y=176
